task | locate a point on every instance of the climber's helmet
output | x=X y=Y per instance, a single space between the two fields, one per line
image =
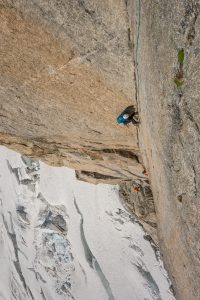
x=125 y=116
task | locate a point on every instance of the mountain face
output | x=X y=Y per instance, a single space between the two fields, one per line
x=68 y=68
x=66 y=239
x=168 y=51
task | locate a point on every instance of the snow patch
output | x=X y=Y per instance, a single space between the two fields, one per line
x=65 y=239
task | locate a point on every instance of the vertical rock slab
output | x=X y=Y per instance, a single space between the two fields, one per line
x=167 y=52
x=66 y=73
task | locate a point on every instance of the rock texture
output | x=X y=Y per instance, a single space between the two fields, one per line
x=137 y=197
x=66 y=73
x=168 y=98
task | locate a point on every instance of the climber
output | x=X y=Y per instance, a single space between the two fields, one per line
x=129 y=115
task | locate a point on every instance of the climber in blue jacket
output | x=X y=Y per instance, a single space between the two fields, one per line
x=129 y=115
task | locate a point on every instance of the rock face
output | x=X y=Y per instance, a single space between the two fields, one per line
x=66 y=73
x=167 y=53
x=137 y=197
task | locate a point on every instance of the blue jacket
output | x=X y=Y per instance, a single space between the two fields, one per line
x=122 y=118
